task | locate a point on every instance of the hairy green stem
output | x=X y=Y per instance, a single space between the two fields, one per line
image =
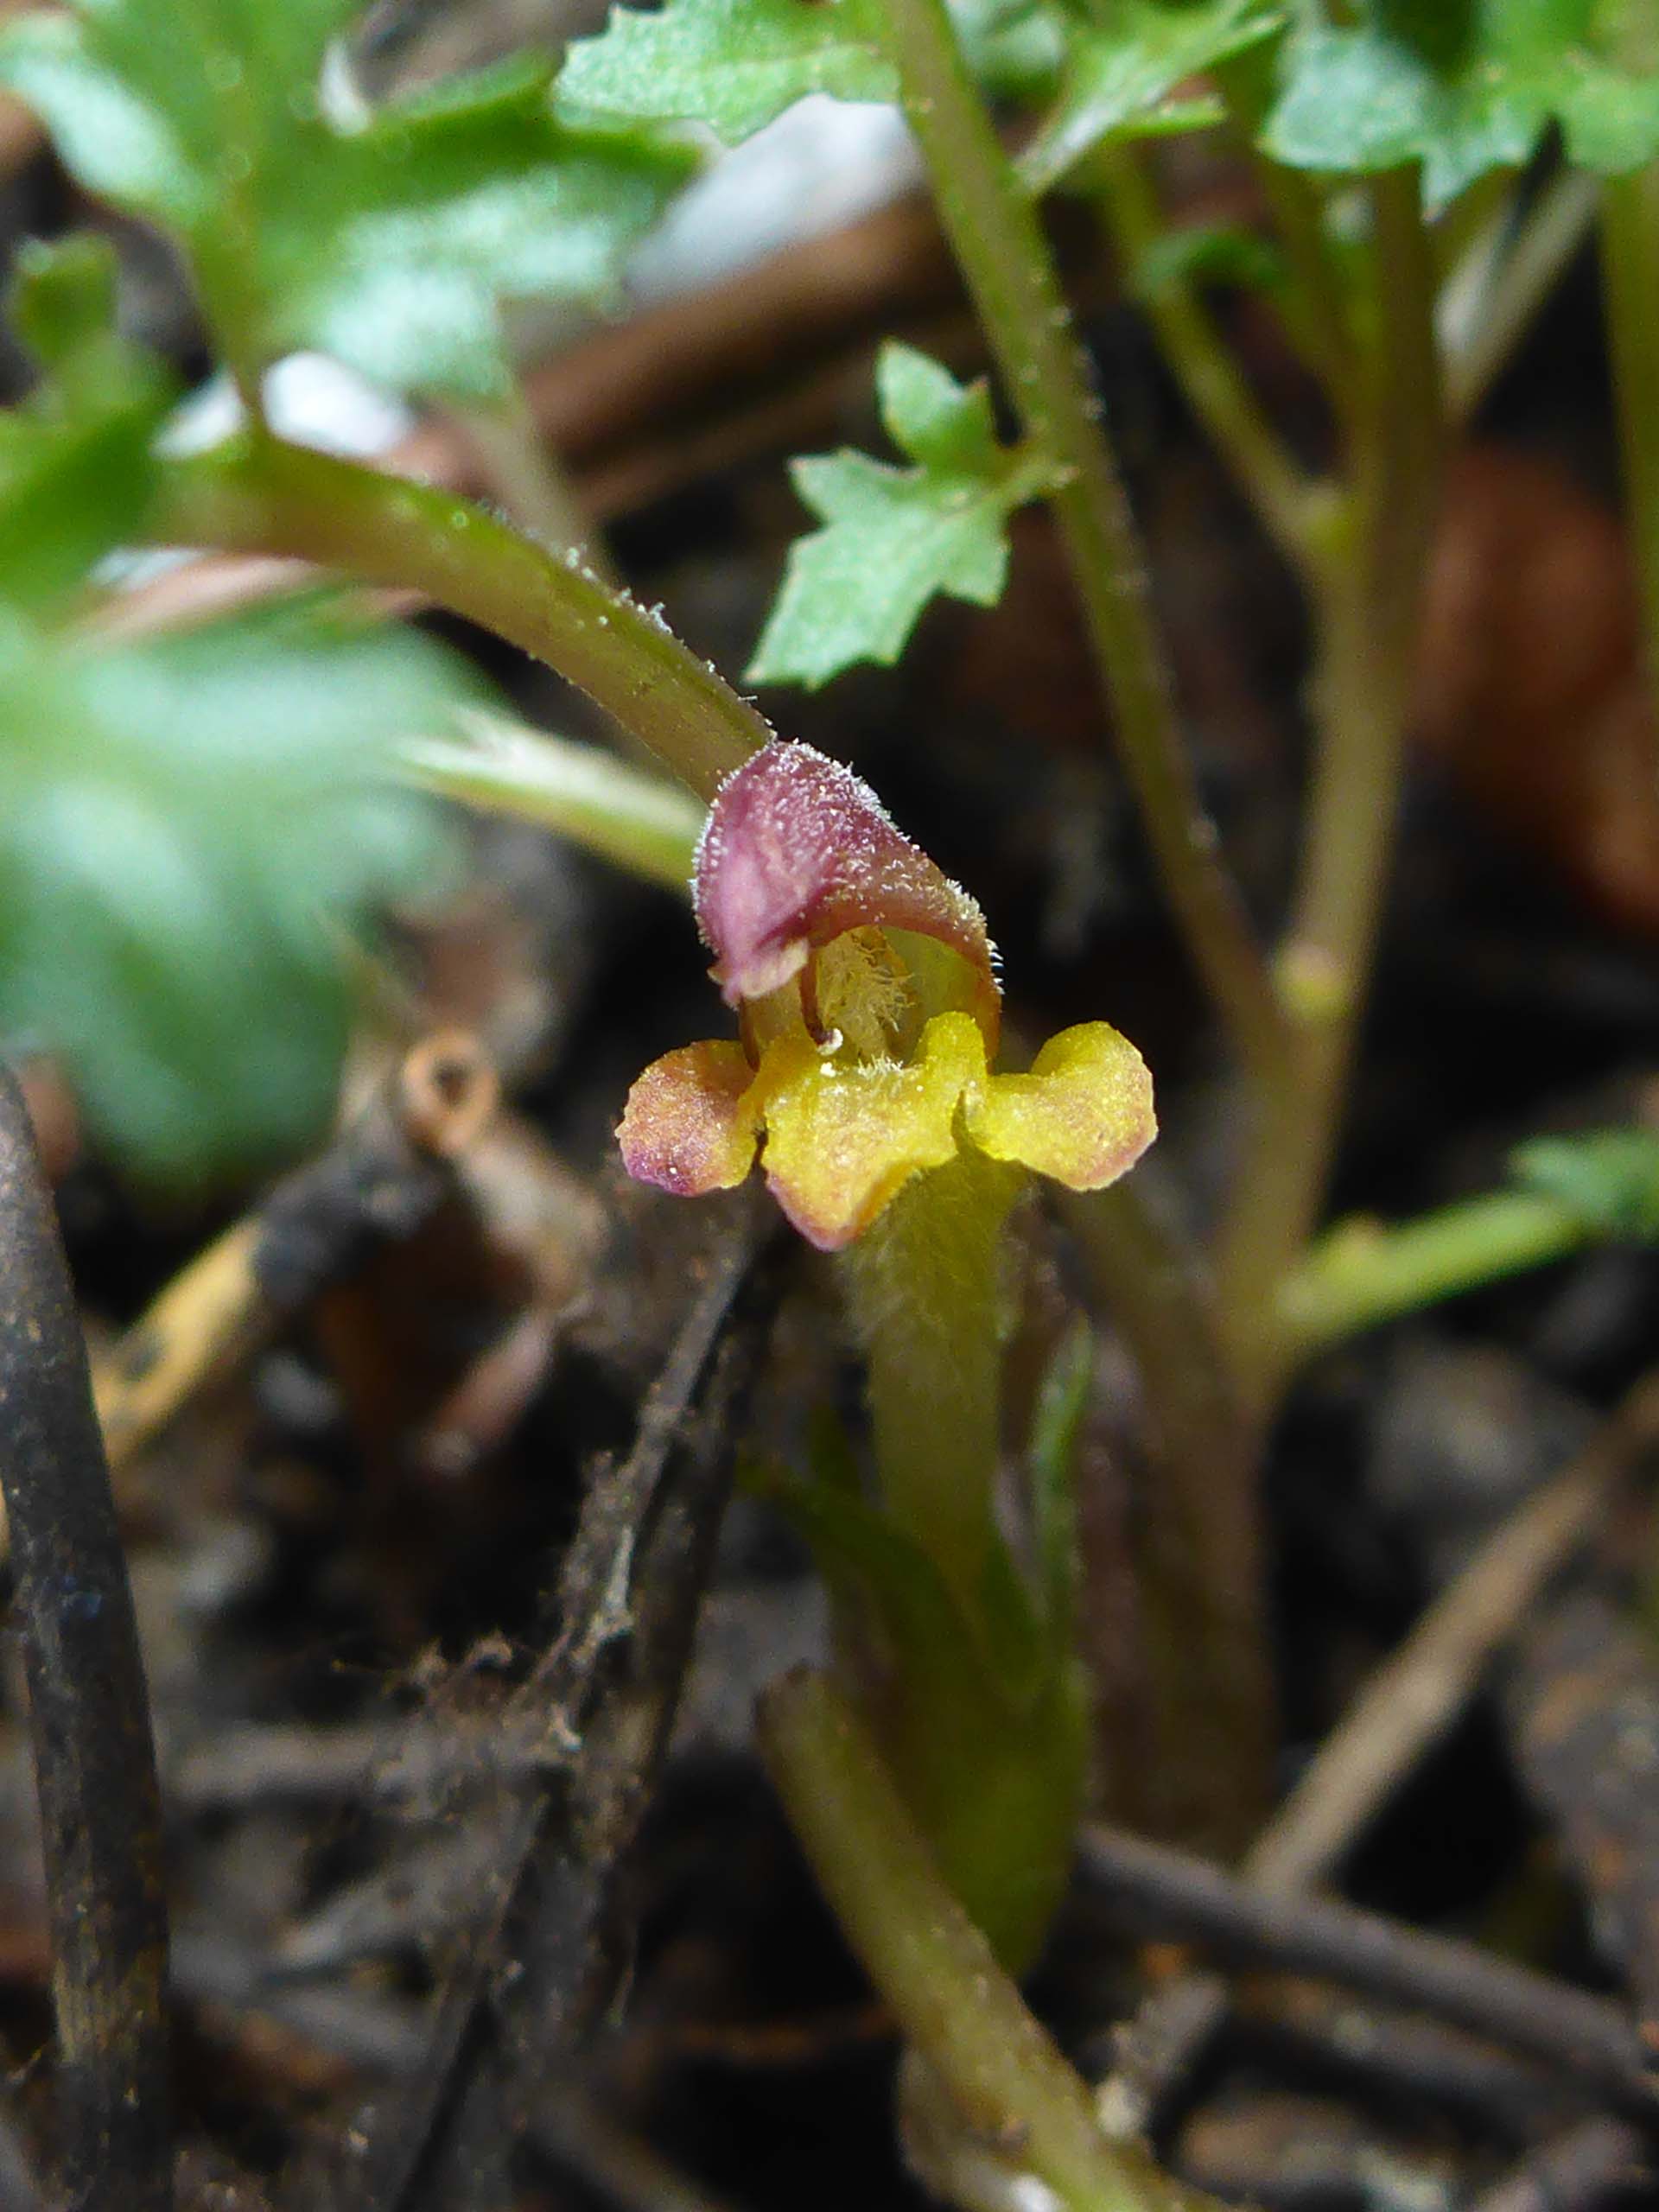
x=922 y=1288
x=1629 y=265
x=998 y=242
x=262 y=496
x=1285 y=497
x=1368 y=610
x=1013 y=2091
x=1363 y=1272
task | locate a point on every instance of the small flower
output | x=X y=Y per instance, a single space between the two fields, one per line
x=868 y=1010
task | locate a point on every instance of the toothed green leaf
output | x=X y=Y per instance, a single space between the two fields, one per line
x=76 y=474
x=192 y=829
x=1465 y=87
x=1124 y=67
x=733 y=65
x=895 y=538
x=1609 y=1177
x=388 y=238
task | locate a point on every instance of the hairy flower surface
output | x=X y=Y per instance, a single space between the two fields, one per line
x=869 y=1008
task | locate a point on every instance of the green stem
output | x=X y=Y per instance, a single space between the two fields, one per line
x=1368 y=613
x=998 y=242
x=1363 y=1271
x=1284 y=497
x=1629 y=263
x=262 y=496
x=956 y=2007
x=1201 y=1566
x=922 y=1288
x=1319 y=324
x=629 y=816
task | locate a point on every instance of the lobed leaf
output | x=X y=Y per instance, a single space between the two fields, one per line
x=191 y=830
x=388 y=238
x=1124 y=69
x=733 y=65
x=1464 y=89
x=76 y=474
x=1609 y=1178
x=895 y=538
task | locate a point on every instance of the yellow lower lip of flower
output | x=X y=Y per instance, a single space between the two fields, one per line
x=842 y=1136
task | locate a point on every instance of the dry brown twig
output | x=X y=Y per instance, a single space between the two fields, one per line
x=383 y=1175
x=1405 y=1709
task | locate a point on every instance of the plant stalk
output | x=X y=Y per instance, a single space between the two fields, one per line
x=260 y=495
x=1283 y=496
x=1011 y=2088
x=998 y=242
x=1629 y=268
x=1200 y=1552
x=922 y=1288
x=1363 y=1272
x=1368 y=609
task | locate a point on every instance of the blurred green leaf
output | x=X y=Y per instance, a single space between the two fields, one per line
x=192 y=829
x=1123 y=70
x=387 y=237
x=75 y=469
x=1609 y=1178
x=1466 y=87
x=894 y=537
x=1209 y=253
x=733 y=65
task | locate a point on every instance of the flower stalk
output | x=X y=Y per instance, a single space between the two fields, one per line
x=1013 y=2096
x=260 y=495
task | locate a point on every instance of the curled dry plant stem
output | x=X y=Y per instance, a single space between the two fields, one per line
x=959 y=2012
x=998 y=241
x=260 y=495
x=89 y=1718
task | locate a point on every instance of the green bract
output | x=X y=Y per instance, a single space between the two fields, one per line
x=895 y=536
x=1465 y=88
x=387 y=238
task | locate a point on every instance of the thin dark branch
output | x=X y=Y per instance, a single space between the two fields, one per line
x=1594 y=2166
x=543 y=1962
x=1162 y=1893
x=89 y=1718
